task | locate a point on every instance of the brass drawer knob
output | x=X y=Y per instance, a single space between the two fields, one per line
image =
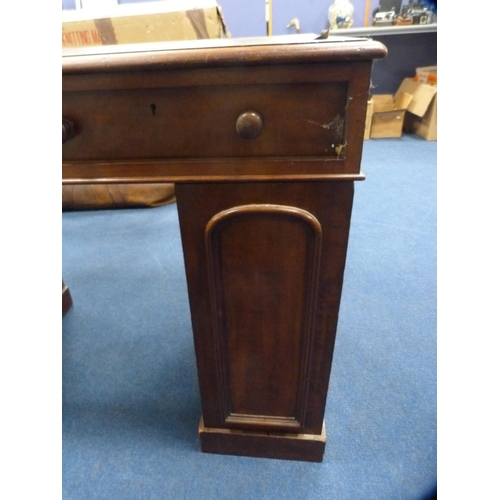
x=249 y=124
x=68 y=130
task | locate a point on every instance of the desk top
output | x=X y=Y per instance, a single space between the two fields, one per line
x=296 y=49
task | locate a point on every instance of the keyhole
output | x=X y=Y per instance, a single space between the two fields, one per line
x=153 y=109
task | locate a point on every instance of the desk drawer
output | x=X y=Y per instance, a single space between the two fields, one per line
x=278 y=120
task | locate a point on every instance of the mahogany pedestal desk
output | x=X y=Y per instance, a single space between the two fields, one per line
x=263 y=138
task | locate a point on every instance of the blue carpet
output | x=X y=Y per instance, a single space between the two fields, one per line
x=130 y=396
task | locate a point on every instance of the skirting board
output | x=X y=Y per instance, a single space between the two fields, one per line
x=304 y=447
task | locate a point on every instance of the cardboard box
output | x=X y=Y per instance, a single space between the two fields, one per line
x=426 y=74
x=158 y=21
x=388 y=115
x=421 y=118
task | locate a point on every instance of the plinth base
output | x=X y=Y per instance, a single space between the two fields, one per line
x=305 y=447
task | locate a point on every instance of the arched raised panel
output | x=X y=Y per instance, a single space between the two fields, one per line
x=263 y=264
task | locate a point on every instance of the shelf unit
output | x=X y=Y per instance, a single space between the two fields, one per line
x=387 y=30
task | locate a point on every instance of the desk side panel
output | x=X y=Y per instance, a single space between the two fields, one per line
x=264 y=297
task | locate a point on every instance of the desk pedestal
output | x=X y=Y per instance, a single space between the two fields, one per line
x=264 y=265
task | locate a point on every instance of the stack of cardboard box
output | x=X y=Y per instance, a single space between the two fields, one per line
x=422 y=116
x=413 y=108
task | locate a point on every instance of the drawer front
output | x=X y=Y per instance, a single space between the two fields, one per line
x=228 y=121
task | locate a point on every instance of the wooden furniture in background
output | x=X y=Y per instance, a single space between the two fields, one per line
x=67 y=301
x=263 y=139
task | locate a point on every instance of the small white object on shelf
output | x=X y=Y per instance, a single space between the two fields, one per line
x=340 y=14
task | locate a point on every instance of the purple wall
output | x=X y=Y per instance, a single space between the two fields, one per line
x=244 y=18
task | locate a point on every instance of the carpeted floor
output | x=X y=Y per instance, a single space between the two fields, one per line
x=130 y=395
